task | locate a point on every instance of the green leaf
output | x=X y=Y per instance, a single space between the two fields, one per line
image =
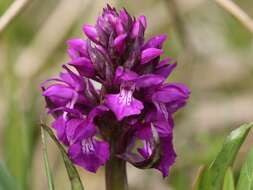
x=213 y=177
x=7 y=182
x=228 y=183
x=196 y=183
x=46 y=162
x=245 y=181
x=74 y=177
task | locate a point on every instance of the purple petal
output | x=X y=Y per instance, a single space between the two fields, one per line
x=87 y=130
x=166 y=70
x=143 y=149
x=164 y=62
x=161 y=119
x=155 y=42
x=143 y=20
x=172 y=107
x=123 y=75
x=148 y=80
x=71 y=128
x=59 y=126
x=78 y=43
x=168 y=155
x=66 y=78
x=125 y=17
x=149 y=54
x=72 y=113
x=90 y=162
x=171 y=93
x=123 y=104
x=141 y=130
x=52 y=103
x=119 y=42
x=74 y=80
x=134 y=53
x=84 y=67
x=162 y=112
x=139 y=27
x=91 y=92
x=97 y=111
x=119 y=27
x=89 y=154
x=135 y=30
x=59 y=91
x=77 y=48
x=91 y=32
x=101 y=61
x=74 y=151
x=102 y=150
x=164 y=126
x=105 y=26
x=111 y=17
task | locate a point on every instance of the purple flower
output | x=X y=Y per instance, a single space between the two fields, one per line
x=114 y=87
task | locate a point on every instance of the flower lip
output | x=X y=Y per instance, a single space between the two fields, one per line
x=124 y=104
x=89 y=153
x=88 y=146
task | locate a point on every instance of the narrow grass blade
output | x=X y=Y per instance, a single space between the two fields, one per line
x=245 y=181
x=228 y=183
x=196 y=183
x=74 y=177
x=214 y=175
x=46 y=161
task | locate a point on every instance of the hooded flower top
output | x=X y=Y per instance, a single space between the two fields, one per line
x=114 y=89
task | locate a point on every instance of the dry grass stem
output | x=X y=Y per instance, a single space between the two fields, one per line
x=237 y=12
x=14 y=10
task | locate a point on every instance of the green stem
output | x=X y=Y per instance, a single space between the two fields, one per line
x=115 y=173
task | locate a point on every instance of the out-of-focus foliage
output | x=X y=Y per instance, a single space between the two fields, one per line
x=217 y=176
x=7 y=182
x=213 y=177
x=228 y=183
x=216 y=63
x=245 y=181
x=48 y=170
x=74 y=177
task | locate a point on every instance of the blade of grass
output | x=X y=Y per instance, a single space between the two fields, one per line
x=228 y=183
x=213 y=177
x=13 y=11
x=73 y=175
x=46 y=161
x=245 y=181
x=237 y=12
x=198 y=178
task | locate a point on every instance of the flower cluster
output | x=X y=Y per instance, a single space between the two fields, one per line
x=113 y=92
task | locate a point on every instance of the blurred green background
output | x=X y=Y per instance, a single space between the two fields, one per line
x=215 y=59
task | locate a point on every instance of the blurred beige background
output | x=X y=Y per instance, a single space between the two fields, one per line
x=215 y=59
